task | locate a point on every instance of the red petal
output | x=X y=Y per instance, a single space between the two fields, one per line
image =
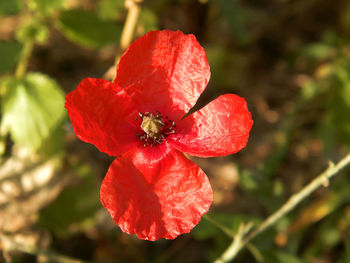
x=165 y=71
x=220 y=128
x=159 y=199
x=103 y=114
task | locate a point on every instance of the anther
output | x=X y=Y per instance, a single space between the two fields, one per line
x=170 y=132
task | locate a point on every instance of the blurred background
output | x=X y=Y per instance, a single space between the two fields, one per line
x=290 y=59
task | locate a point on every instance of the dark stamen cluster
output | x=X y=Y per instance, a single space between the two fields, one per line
x=155 y=128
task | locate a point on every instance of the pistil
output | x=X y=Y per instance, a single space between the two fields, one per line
x=154 y=128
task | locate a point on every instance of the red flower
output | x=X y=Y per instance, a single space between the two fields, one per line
x=152 y=189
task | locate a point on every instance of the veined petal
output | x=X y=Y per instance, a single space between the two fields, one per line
x=220 y=128
x=165 y=71
x=159 y=199
x=103 y=114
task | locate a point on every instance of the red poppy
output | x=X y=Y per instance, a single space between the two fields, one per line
x=152 y=189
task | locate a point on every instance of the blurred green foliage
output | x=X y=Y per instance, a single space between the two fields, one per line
x=339 y=105
x=148 y=20
x=110 y=9
x=87 y=29
x=9 y=53
x=272 y=256
x=346 y=255
x=10 y=7
x=234 y=16
x=33 y=30
x=78 y=212
x=45 y=7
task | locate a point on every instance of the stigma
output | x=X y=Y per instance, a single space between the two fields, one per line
x=154 y=128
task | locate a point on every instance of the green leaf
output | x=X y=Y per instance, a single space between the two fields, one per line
x=9 y=7
x=76 y=205
x=87 y=29
x=54 y=143
x=9 y=53
x=31 y=108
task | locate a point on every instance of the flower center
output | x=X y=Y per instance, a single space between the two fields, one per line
x=154 y=128
x=152 y=124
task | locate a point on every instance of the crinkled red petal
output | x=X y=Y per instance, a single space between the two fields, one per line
x=156 y=193
x=220 y=128
x=165 y=71
x=104 y=115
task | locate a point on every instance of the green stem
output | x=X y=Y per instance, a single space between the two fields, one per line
x=24 y=58
x=323 y=179
x=223 y=228
x=235 y=245
x=253 y=250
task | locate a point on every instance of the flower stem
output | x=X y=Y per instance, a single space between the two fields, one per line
x=223 y=228
x=253 y=250
x=241 y=240
x=134 y=9
x=235 y=245
x=24 y=58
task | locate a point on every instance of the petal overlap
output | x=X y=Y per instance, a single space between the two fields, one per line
x=220 y=128
x=160 y=200
x=104 y=115
x=165 y=71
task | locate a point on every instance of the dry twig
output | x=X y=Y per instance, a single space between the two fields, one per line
x=241 y=240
